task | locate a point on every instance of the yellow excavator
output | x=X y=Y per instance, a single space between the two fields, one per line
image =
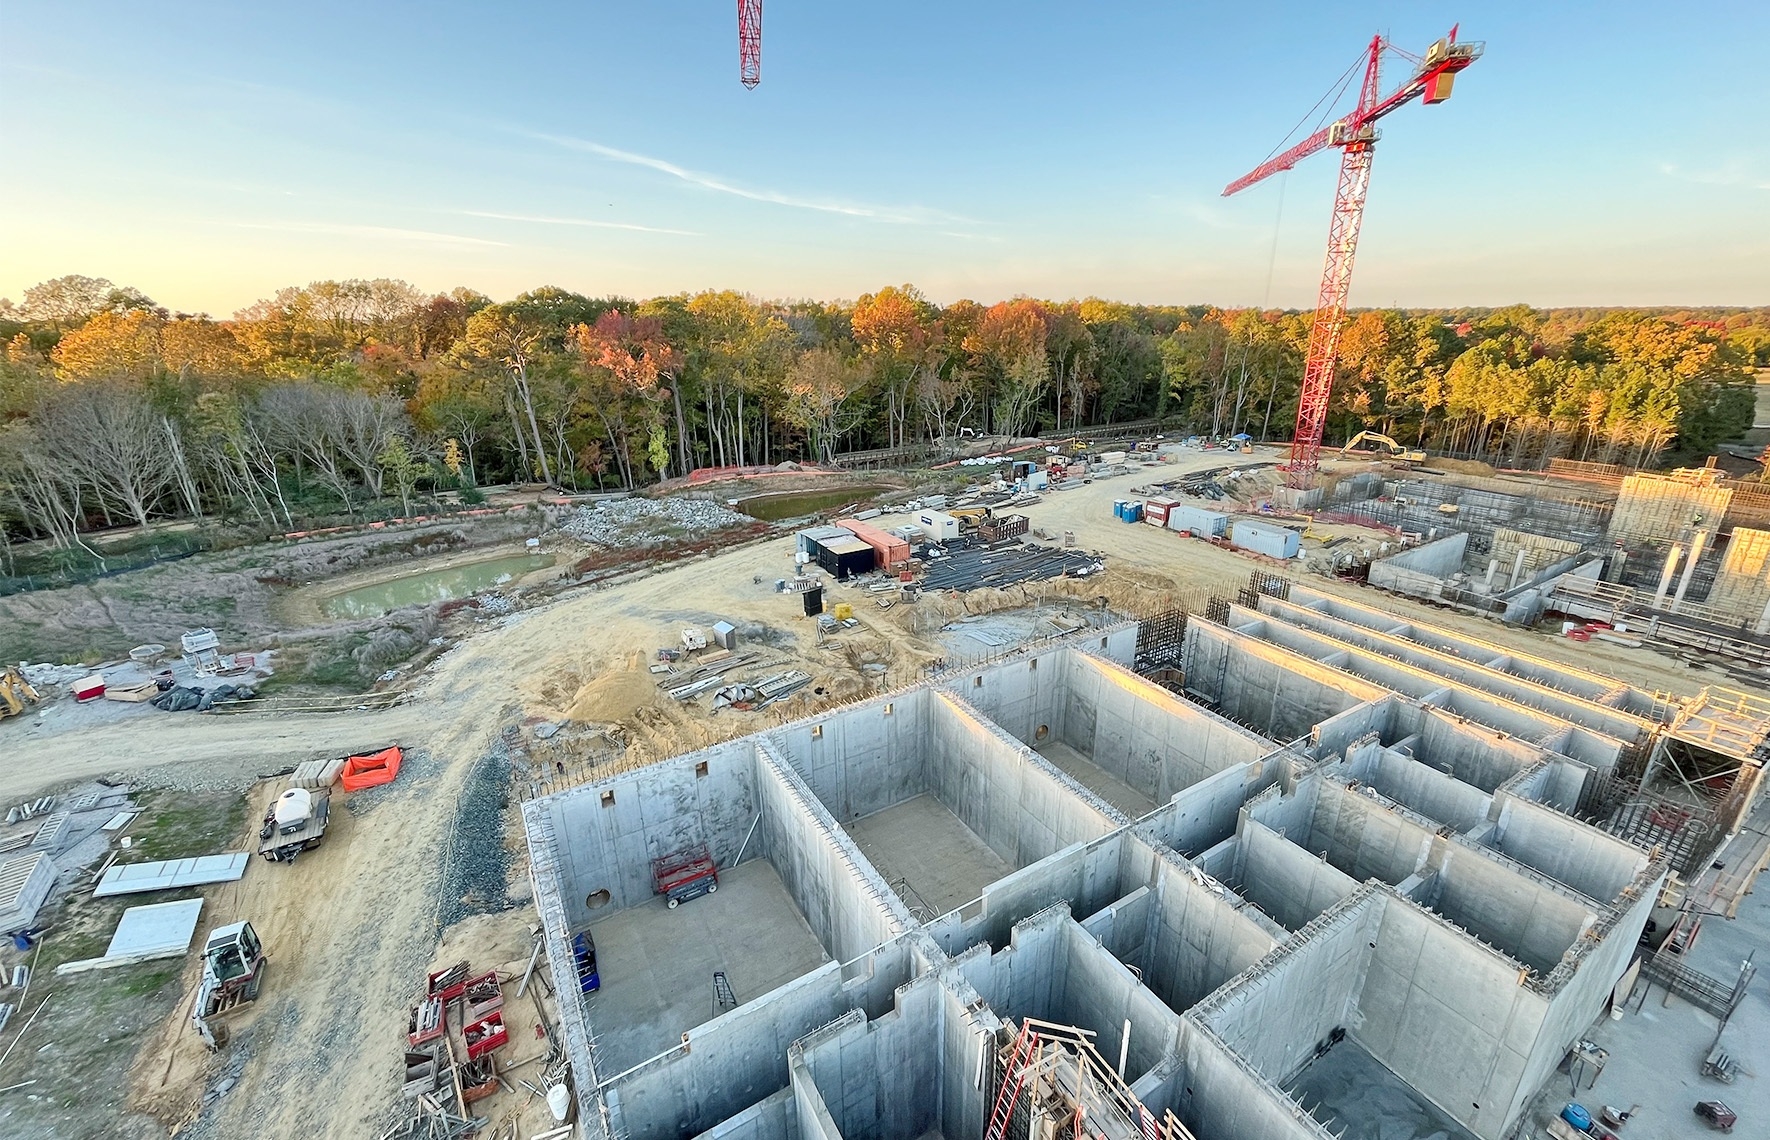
x=15 y=693
x=1383 y=444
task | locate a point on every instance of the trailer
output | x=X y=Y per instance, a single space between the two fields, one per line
x=294 y=822
x=688 y=874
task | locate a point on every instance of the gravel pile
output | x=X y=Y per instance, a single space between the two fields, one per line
x=478 y=864
x=634 y=522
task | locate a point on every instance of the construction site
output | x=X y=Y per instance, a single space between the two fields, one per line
x=1112 y=783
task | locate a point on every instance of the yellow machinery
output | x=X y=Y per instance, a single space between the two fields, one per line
x=1384 y=443
x=15 y=693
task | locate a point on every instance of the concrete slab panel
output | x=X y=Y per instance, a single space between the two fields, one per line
x=1097 y=779
x=164 y=875
x=927 y=855
x=1354 y=1095
x=657 y=964
x=160 y=930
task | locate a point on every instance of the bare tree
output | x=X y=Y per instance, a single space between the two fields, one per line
x=110 y=437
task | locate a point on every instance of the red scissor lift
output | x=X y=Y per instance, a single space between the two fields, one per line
x=687 y=874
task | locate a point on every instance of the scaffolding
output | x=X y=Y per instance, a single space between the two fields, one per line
x=1052 y=1084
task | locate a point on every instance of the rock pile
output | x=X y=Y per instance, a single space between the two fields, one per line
x=638 y=522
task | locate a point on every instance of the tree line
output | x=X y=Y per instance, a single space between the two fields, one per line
x=328 y=398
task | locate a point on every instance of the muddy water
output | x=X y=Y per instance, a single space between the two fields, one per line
x=434 y=585
x=795 y=504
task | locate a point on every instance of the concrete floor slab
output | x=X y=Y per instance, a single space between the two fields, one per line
x=921 y=843
x=1657 y=1050
x=1097 y=779
x=657 y=964
x=1352 y=1094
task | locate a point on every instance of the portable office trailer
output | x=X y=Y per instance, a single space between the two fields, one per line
x=1155 y=511
x=1264 y=538
x=1196 y=520
x=846 y=556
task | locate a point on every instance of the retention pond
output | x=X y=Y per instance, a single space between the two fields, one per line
x=434 y=585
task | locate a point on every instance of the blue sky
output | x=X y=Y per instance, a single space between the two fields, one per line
x=210 y=153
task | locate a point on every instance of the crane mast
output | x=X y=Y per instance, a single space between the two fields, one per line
x=1356 y=135
x=750 y=42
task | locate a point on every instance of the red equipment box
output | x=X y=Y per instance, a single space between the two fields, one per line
x=485 y=1035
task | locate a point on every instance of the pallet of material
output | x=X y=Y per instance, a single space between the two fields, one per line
x=132 y=694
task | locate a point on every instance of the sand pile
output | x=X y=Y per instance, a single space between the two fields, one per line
x=613 y=697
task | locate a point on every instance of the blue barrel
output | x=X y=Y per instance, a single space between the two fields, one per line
x=1576 y=1115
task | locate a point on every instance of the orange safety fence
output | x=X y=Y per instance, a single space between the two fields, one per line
x=371 y=769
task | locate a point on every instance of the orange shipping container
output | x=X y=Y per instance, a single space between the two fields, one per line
x=890 y=549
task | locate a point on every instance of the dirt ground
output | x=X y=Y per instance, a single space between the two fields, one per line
x=351 y=927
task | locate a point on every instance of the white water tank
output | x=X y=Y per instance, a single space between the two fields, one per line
x=293 y=808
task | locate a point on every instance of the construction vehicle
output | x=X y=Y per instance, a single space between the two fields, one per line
x=15 y=693
x=233 y=971
x=294 y=822
x=1389 y=446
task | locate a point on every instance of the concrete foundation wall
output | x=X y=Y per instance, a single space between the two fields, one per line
x=1088 y=878
x=1596 y=864
x=1412 y=784
x=1144 y=735
x=1335 y=734
x=1021 y=806
x=843 y=899
x=1475 y=755
x=1290 y=885
x=1421 y=571
x=1525 y=920
x=737 y=1060
x=1204 y=815
x=1053 y=970
x=1449 y=1018
x=1281 y=694
x=1320 y=636
x=1300 y=995
x=1585 y=997
x=864 y=758
x=773 y=1118
x=1363 y=839
x=881 y=1079
x=1196 y=939
x=608 y=833
x=1225 y=1098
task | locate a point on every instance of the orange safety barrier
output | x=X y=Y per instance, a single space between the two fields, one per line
x=371 y=769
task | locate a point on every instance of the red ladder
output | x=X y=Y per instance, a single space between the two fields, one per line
x=1019 y=1062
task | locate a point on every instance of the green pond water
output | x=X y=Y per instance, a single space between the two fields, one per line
x=793 y=504
x=434 y=585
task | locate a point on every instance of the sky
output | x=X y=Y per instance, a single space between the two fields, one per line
x=210 y=154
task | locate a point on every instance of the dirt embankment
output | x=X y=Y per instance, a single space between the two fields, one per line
x=237 y=593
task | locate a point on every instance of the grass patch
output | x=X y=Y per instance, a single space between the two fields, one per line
x=182 y=825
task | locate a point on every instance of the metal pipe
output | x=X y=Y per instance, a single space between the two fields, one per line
x=1124 y=1048
x=1665 y=576
x=1696 y=543
x=742 y=847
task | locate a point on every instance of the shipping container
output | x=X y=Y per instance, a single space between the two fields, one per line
x=1155 y=511
x=846 y=556
x=1189 y=519
x=1265 y=538
x=890 y=549
x=938 y=525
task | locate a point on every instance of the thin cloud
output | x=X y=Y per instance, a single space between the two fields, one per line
x=368 y=232
x=721 y=186
x=544 y=221
x=1731 y=173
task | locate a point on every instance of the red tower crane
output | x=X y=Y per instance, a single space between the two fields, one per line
x=750 y=42
x=1356 y=135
